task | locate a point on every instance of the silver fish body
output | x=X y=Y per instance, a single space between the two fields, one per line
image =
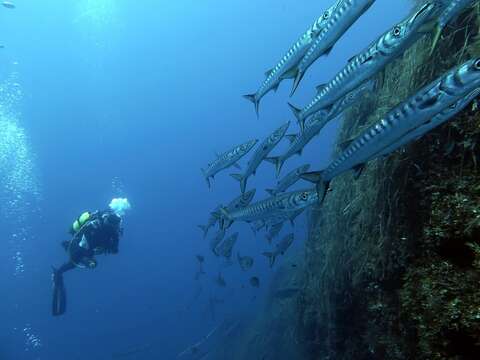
x=284 y=203
x=343 y=17
x=227 y=159
x=280 y=249
x=225 y=249
x=316 y=123
x=239 y=202
x=261 y=152
x=431 y=106
x=291 y=59
x=371 y=61
x=288 y=180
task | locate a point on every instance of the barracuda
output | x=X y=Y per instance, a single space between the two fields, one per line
x=288 y=180
x=227 y=159
x=285 y=203
x=291 y=58
x=372 y=60
x=430 y=107
x=342 y=18
x=260 y=154
x=452 y=8
x=317 y=123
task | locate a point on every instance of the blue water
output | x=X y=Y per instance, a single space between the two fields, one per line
x=112 y=98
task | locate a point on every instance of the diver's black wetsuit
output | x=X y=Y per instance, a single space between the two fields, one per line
x=99 y=235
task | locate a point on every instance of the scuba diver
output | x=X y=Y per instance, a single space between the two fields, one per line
x=93 y=233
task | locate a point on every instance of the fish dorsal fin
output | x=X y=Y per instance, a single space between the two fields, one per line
x=291 y=138
x=268 y=72
x=344 y=145
x=320 y=87
x=358 y=170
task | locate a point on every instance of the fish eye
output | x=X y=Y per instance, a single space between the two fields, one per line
x=453 y=106
x=304 y=196
x=477 y=64
x=397 y=31
x=326 y=15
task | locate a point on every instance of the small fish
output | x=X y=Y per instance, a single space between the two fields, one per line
x=371 y=61
x=280 y=249
x=291 y=58
x=260 y=154
x=255 y=282
x=245 y=262
x=342 y=18
x=288 y=180
x=220 y=280
x=216 y=240
x=8 y=5
x=227 y=159
x=225 y=249
x=274 y=231
x=428 y=108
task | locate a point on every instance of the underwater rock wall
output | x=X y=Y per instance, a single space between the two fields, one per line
x=392 y=267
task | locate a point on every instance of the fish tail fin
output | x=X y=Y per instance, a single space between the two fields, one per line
x=242 y=179
x=296 y=81
x=207 y=179
x=298 y=115
x=255 y=101
x=321 y=185
x=271 y=257
x=204 y=229
x=278 y=161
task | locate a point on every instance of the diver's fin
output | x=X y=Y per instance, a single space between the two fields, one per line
x=271 y=257
x=298 y=114
x=277 y=161
x=59 y=301
x=255 y=102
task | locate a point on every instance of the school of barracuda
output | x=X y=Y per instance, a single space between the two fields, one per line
x=417 y=114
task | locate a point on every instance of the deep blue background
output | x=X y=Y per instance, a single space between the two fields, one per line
x=143 y=96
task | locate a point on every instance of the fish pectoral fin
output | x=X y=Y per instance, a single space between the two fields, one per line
x=237 y=166
x=275 y=88
x=290 y=74
x=313 y=177
x=238 y=177
x=268 y=72
x=358 y=170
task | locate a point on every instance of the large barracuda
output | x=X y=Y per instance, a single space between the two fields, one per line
x=430 y=107
x=316 y=124
x=452 y=8
x=342 y=18
x=291 y=58
x=283 y=204
x=227 y=159
x=260 y=154
x=372 y=60
x=288 y=180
